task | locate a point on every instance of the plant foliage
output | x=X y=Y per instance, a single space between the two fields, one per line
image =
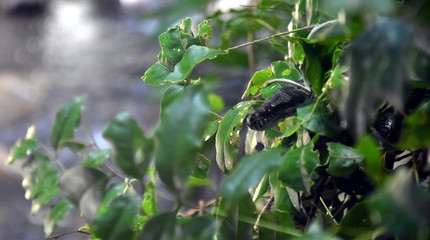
x=351 y=163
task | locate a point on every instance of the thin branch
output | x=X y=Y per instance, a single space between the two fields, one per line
x=288 y=82
x=270 y=37
x=257 y=222
x=56 y=236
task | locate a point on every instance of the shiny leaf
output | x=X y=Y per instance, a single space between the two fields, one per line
x=66 y=122
x=228 y=136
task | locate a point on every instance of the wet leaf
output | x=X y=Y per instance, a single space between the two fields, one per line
x=343 y=160
x=117 y=223
x=66 y=122
x=57 y=212
x=96 y=158
x=249 y=172
x=227 y=138
x=297 y=168
x=183 y=119
x=23 y=147
x=133 y=151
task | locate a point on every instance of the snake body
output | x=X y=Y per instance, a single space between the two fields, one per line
x=281 y=105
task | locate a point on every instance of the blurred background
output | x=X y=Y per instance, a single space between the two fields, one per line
x=52 y=51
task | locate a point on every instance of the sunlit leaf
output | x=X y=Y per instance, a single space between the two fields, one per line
x=66 y=122
x=204 y=30
x=216 y=102
x=343 y=160
x=183 y=119
x=57 y=212
x=23 y=147
x=228 y=136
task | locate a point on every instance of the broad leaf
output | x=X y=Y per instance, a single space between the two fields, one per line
x=183 y=119
x=298 y=166
x=117 y=223
x=249 y=172
x=401 y=207
x=23 y=147
x=343 y=160
x=133 y=151
x=76 y=181
x=373 y=163
x=159 y=75
x=356 y=222
x=96 y=158
x=198 y=228
x=66 y=122
x=154 y=230
x=57 y=212
x=41 y=183
x=318 y=120
x=417 y=130
x=228 y=136
x=201 y=168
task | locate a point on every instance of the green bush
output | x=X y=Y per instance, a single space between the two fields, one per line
x=347 y=161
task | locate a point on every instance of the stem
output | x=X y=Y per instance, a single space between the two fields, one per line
x=63 y=234
x=257 y=222
x=270 y=37
x=288 y=82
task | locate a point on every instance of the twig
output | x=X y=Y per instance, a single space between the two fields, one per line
x=257 y=222
x=288 y=82
x=63 y=234
x=270 y=37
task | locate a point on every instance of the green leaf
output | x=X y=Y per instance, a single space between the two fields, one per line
x=249 y=172
x=41 y=183
x=227 y=138
x=75 y=146
x=213 y=126
x=202 y=166
x=160 y=227
x=183 y=119
x=276 y=225
x=401 y=207
x=318 y=120
x=216 y=102
x=373 y=163
x=77 y=180
x=96 y=158
x=417 y=129
x=57 y=212
x=133 y=151
x=196 y=228
x=66 y=122
x=282 y=199
x=204 y=30
x=159 y=75
x=298 y=166
x=149 y=202
x=356 y=222
x=117 y=223
x=343 y=160
x=23 y=147
x=236 y=219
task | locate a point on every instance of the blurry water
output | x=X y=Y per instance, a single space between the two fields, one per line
x=75 y=47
